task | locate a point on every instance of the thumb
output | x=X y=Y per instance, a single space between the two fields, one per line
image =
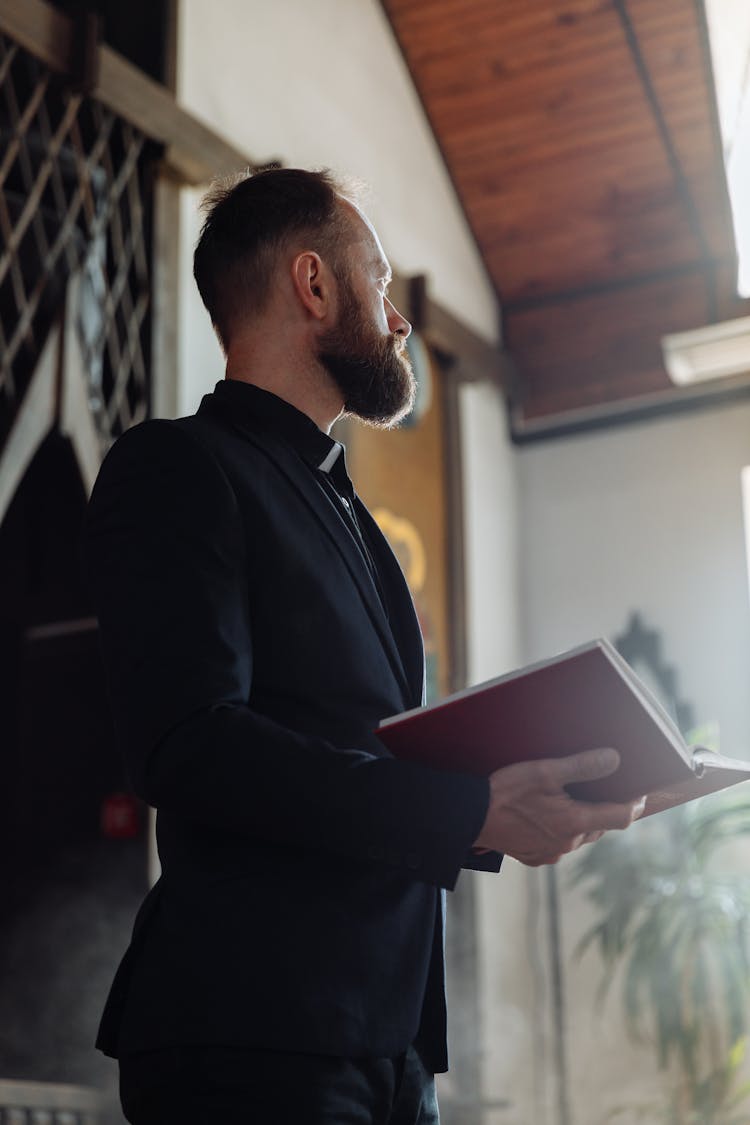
x=588 y=765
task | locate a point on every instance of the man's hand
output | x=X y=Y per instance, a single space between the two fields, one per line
x=533 y=819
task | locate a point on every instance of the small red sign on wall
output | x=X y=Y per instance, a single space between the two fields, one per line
x=119 y=817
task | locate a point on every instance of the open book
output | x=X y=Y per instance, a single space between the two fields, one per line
x=585 y=698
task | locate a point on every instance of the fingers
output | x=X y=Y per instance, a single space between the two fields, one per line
x=553 y=774
x=605 y=816
x=533 y=818
x=636 y=810
x=586 y=766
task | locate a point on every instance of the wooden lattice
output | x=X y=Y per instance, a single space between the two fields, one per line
x=73 y=202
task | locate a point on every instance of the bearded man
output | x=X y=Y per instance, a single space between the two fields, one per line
x=287 y=968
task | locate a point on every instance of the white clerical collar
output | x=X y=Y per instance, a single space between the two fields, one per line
x=331 y=457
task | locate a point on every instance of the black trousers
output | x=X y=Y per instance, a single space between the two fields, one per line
x=227 y=1086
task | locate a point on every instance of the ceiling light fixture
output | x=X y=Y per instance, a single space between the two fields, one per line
x=713 y=352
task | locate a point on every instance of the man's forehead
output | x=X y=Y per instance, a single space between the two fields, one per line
x=382 y=266
x=365 y=232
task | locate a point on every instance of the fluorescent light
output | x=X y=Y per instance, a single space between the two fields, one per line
x=713 y=352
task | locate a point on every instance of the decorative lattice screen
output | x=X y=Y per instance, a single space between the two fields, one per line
x=74 y=200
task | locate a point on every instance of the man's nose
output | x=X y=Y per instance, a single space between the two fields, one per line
x=396 y=322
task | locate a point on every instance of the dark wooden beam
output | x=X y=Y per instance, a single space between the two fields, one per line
x=678 y=400
x=193 y=151
x=41 y=30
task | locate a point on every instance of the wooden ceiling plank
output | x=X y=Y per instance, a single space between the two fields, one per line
x=696 y=160
x=581 y=138
x=423 y=22
x=519 y=118
x=591 y=145
x=533 y=81
x=671 y=151
x=600 y=289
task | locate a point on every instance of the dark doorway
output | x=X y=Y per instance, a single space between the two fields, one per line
x=73 y=854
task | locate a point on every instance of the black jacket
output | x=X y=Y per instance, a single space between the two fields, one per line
x=250 y=658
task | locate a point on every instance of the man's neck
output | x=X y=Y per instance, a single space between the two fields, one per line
x=305 y=384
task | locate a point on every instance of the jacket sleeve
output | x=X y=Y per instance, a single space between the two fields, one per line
x=168 y=565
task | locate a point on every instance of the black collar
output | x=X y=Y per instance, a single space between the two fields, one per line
x=283 y=420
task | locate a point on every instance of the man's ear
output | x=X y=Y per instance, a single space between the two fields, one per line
x=313 y=283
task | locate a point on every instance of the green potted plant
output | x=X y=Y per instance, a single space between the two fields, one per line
x=673 y=913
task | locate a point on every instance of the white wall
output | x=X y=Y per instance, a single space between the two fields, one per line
x=490 y=539
x=645 y=518
x=510 y=929
x=200 y=361
x=324 y=84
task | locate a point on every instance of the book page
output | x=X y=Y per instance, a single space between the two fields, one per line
x=657 y=711
x=705 y=759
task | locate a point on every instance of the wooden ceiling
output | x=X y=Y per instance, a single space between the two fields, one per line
x=583 y=142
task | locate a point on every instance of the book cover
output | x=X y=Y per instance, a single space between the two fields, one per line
x=585 y=698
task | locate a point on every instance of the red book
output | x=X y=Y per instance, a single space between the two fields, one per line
x=582 y=699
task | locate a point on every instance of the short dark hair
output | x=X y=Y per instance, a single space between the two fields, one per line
x=249 y=219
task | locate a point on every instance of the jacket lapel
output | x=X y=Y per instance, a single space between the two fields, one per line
x=333 y=520
x=402 y=613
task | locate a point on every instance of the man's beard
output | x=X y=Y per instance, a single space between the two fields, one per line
x=373 y=372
